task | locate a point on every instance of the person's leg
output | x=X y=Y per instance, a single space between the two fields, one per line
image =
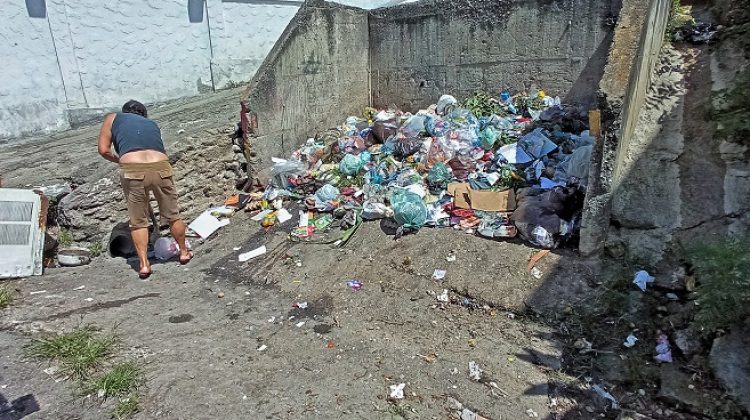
x=136 y=197
x=140 y=240
x=166 y=196
x=177 y=227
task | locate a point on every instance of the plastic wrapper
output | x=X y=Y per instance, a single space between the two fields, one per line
x=413 y=126
x=281 y=172
x=487 y=137
x=408 y=209
x=436 y=127
x=441 y=150
x=446 y=104
x=373 y=210
x=461 y=166
x=166 y=249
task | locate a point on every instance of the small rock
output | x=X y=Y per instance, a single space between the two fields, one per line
x=686 y=342
x=675 y=387
x=552 y=361
x=730 y=361
x=220 y=295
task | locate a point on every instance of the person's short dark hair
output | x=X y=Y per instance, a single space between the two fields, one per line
x=134 y=107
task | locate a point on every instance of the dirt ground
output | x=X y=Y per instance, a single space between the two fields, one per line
x=201 y=352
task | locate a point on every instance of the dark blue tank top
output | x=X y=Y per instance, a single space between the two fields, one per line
x=132 y=132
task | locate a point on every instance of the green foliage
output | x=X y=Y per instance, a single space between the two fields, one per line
x=6 y=297
x=127 y=407
x=121 y=380
x=483 y=105
x=679 y=16
x=96 y=249
x=732 y=109
x=64 y=238
x=79 y=352
x=722 y=270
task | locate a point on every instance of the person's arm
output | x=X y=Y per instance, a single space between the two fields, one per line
x=105 y=139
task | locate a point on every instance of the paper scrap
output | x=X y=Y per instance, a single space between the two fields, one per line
x=439 y=274
x=443 y=297
x=397 y=391
x=283 y=215
x=206 y=224
x=252 y=254
x=630 y=341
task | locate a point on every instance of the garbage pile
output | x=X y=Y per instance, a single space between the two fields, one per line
x=495 y=167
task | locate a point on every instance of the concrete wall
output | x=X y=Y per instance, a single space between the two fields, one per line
x=68 y=61
x=315 y=75
x=422 y=50
x=627 y=75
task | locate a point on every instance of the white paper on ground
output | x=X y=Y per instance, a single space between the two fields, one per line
x=258 y=217
x=303 y=218
x=283 y=215
x=277 y=160
x=206 y=224
x=257 y=252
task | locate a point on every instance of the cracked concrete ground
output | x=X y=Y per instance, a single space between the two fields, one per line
x=201 y=351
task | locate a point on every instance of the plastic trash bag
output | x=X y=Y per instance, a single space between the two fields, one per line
x=413 y=126
x=384 y=129
x=436 y=127
x=373 y=210
x=536 y=144
x=405 y=147
x=446 y=104
x=351 y=164
x=441 y=150
x=408 y=209
x=487 y=137
x=281 y=172
x=325 y=196
x=439 y=175
x=166 y=248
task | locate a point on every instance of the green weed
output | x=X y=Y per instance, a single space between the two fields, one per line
x=64 y=238
x=483 y=105
x=6 y=297
x=96 y=249
x=722 y=270
x=679 y=16
x=127 y=407
x=121 y=380
x=79 y=352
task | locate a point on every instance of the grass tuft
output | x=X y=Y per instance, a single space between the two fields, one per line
x=722 y=270
x=6 y=297
x=96 y=249
x=79 y=352
x=121 y=380
x=64 y=238
x=127 y=407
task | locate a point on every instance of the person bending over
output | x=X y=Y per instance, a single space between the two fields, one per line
x=144 y=169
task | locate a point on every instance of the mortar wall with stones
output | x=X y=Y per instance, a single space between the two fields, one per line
x=422 y=50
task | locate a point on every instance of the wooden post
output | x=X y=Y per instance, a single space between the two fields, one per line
x=595 y=123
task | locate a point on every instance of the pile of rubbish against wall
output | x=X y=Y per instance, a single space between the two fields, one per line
x=494 y=167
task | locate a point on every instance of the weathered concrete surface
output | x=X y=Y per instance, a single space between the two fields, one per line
x=316 y=73
x=422 y=50
x=635 y=46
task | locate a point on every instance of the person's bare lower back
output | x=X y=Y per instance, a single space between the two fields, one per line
x=143 y=156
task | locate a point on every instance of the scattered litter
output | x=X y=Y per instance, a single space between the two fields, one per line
x=536 y=273
x=439 y=274
x=467 y=414
x=237 y=248
x=252 y=254
x=672 y=296
x=220 y=295
x=663 y=349
x=450 y=258
x=299 y=324
x=206 y=224
x=630 y=341
x=443 y=297
x=89 y=299
x=397 y=392
x=331 y=344
x=531 y=413
x=260 y=216
x=535 y=259
x=642 y=278
x=604 y=394
x=511 y=316
x=300 y=305
x=262 y=348
x=283 y=215
x=272 y=319
x=475 y=372
x=37 y=292
x=354 y=284
x=80 y=288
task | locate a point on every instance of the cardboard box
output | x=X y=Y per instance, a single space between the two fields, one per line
x=485 y=200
